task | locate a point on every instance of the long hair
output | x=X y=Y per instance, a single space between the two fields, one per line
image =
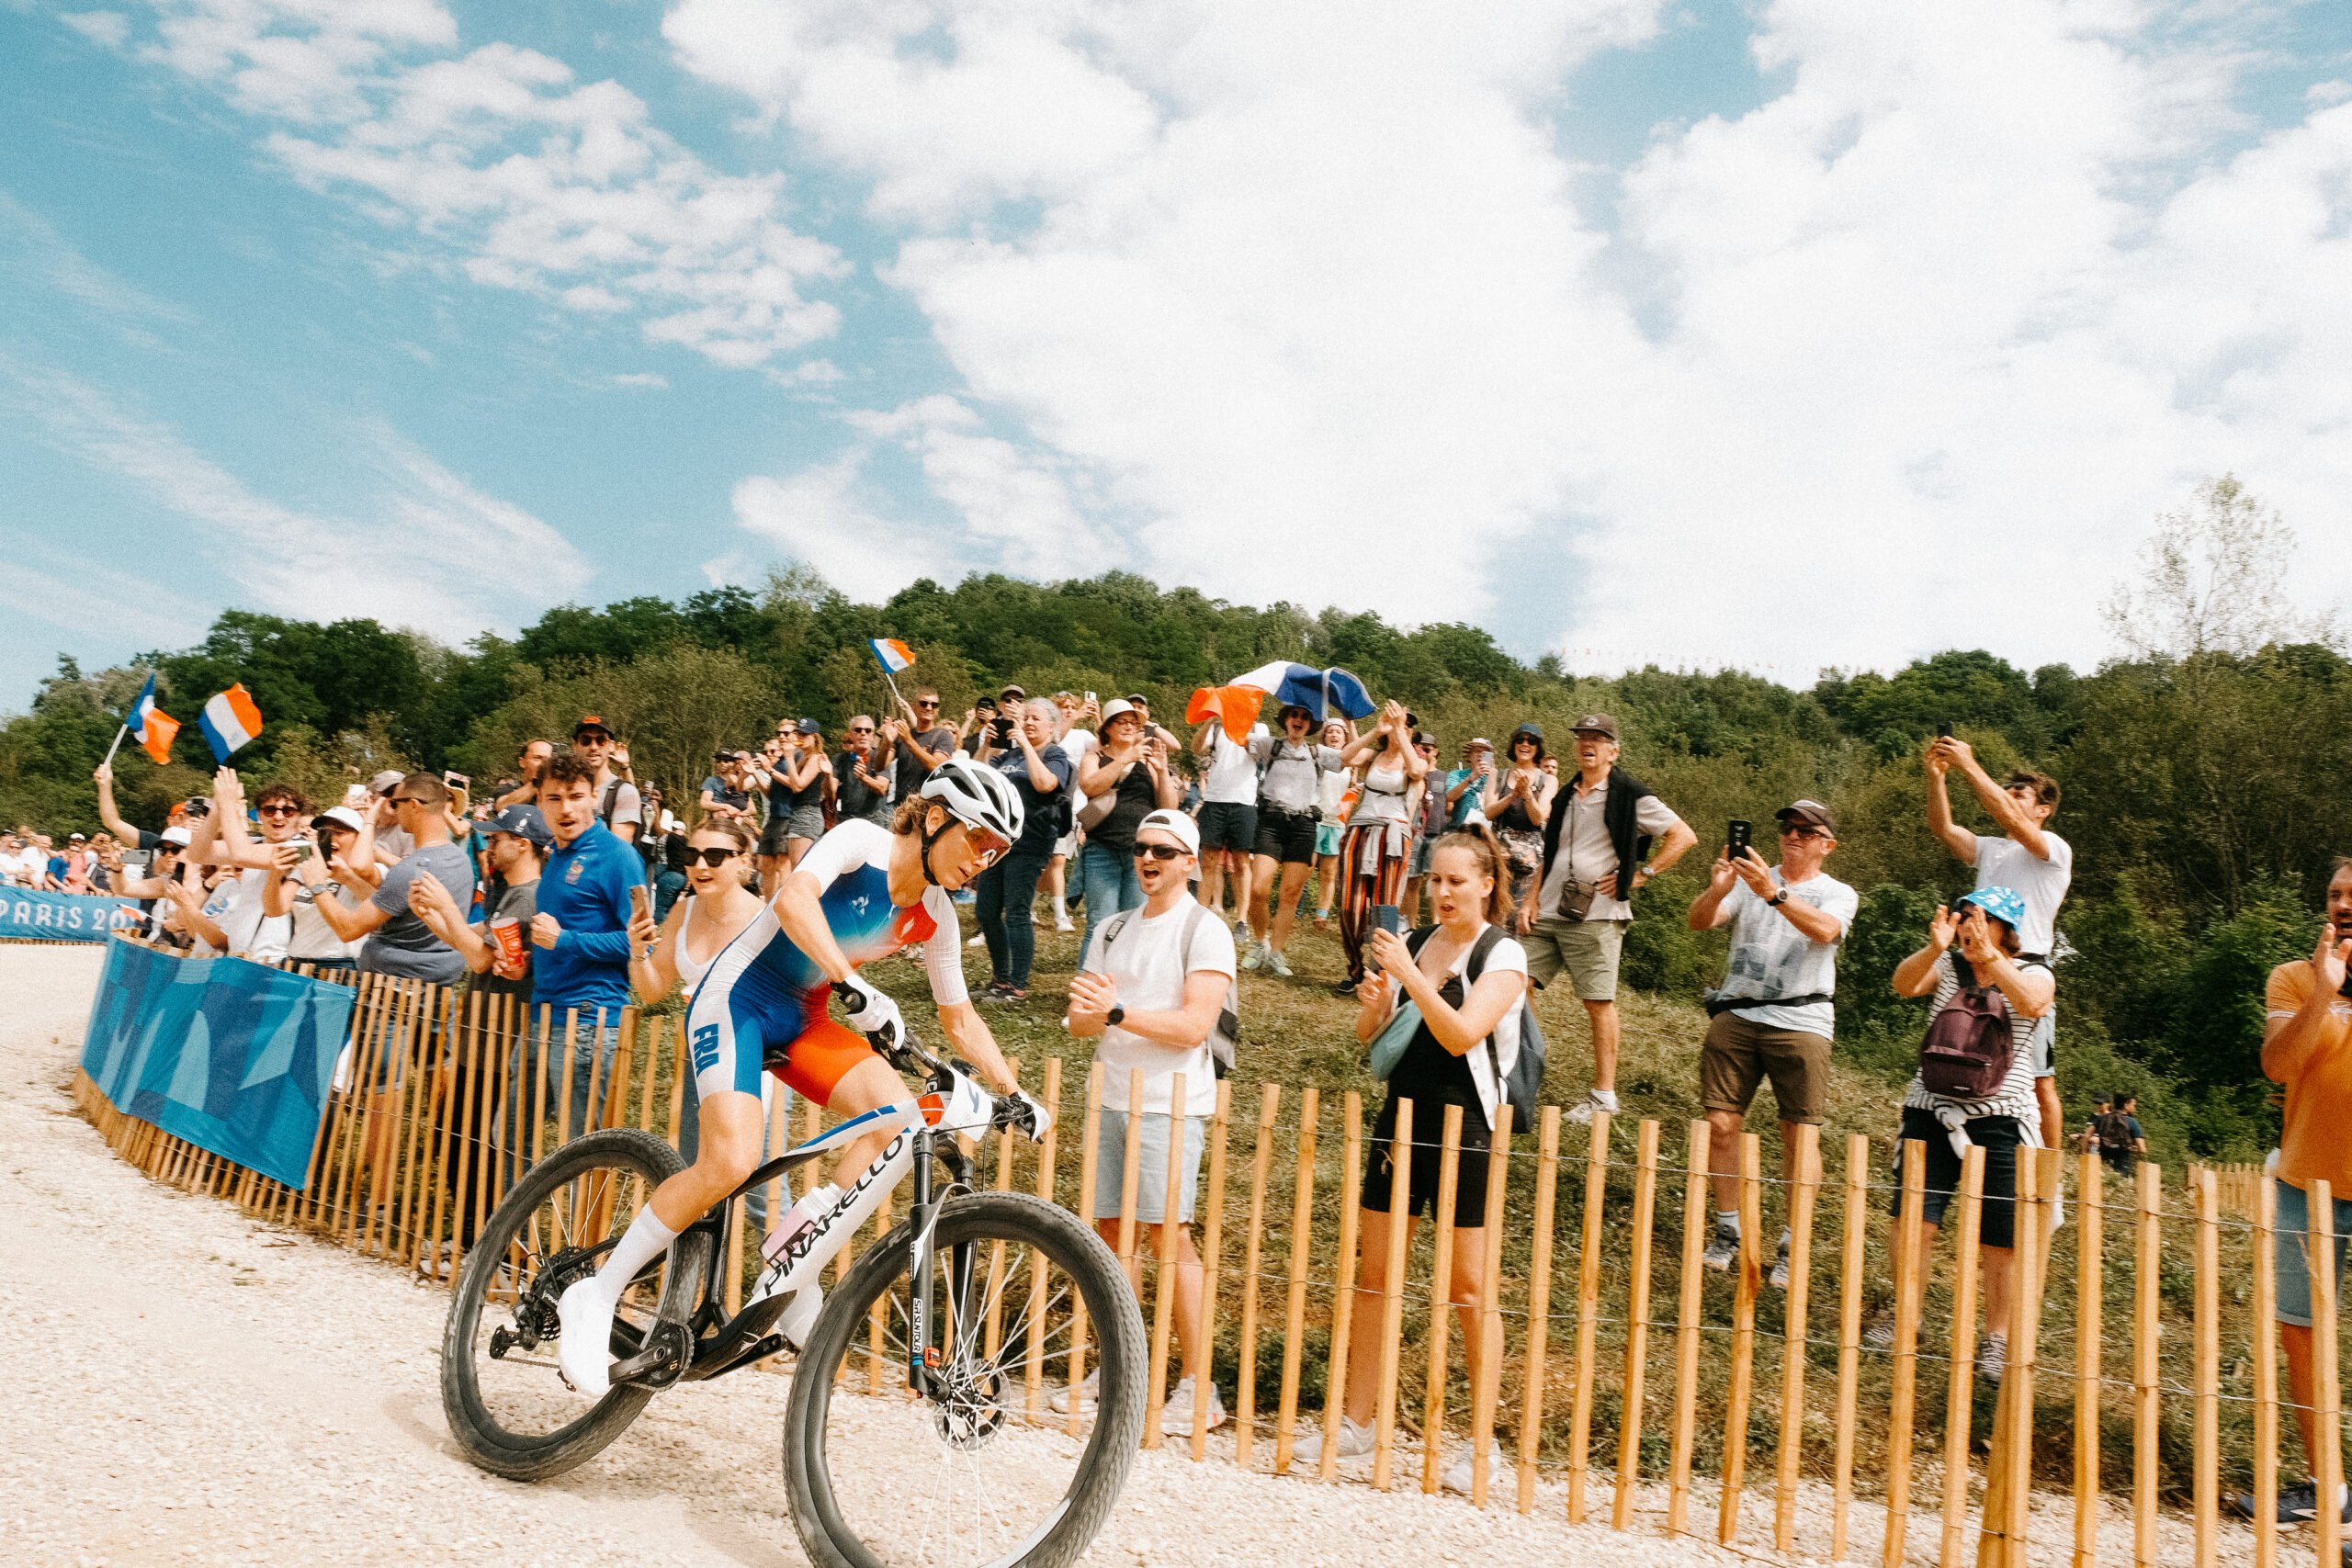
x=1479 y=842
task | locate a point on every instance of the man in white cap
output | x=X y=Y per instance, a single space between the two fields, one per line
x=1156 y=987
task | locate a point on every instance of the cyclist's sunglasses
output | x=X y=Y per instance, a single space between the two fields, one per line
x=989 y=846
x=713 y=858
x=1159 y=852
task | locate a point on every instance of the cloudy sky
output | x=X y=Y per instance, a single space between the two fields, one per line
x=1779 y=334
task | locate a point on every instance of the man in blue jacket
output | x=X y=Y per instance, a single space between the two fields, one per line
x=582 y=932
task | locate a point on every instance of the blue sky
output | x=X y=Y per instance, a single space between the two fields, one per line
x=1778 y=335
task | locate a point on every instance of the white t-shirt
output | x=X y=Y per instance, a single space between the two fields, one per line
x=2005 y=863
x=1769 y=957
x=1291 y=772
x=1232 y=776
x=1078 y=745
x=25 y=868
x=1148 y=965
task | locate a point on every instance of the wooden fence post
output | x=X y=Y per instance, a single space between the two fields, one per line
x=1164 y=1301
x=2090 y=1220
x=2206 y=1481
x=1449 y=1172
x=1637 y=1327
x=1212 y=1251
x=2145 y=1323
x=1089 y=1153
x=1743 y=1336
x=1343 y=1279
x=1302 y=1217
x=1487 y=1366
x=1686 y=1331
x=1910 y=1267
x=2266 y=1368
x=2326 y=1391
x=1960 y=1386
x=1246 y=1394
x=1794 y=1333
x=1034 y=1374
x=1849 y=1336
x=1596 y=1191
x=1391 y=1299
x=1539 y=1304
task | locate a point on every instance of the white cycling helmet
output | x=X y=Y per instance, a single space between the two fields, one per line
x=976 y=795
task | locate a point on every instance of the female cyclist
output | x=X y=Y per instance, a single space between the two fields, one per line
x=861 y=893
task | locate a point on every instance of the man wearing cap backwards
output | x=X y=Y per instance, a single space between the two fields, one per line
x=1595 y=839
x=2028 y=858
x=1154 y=981
x=618 y=805
x=1773 y=1015
x=1974 y=944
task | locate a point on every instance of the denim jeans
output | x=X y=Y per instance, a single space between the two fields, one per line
x=1008 y=890
x=667 y=885
x=1108 y=881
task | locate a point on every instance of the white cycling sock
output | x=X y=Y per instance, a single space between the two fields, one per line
x=645 y=1239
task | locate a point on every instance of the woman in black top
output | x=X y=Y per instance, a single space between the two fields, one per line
x=1445 y=1064
x=1518 y=803
x=1134 y=765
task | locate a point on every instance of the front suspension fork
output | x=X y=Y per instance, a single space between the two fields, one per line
x=929 y=1368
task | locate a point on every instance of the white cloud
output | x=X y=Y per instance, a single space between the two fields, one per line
x=530 y=181
x=105 y=27
x=425 y=548
x=649 y=380
x=1300 y=303
x=33 y=253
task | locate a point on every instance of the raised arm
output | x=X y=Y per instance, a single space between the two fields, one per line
x=107 y=813
x=1996 y=801
x=1957 y=839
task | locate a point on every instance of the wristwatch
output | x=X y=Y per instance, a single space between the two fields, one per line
x=1779 y=897
x=1116 y=1015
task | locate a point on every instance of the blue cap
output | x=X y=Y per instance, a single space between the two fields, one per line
x=525 y=822
x=2002 y=903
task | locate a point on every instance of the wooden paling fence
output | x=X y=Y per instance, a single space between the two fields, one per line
x=1841 y=1416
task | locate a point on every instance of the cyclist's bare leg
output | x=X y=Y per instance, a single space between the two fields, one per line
x=729 y=1149
x=866 y=1087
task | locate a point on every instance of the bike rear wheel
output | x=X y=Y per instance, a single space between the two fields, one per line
x=878 y=1474
x=507 y=1406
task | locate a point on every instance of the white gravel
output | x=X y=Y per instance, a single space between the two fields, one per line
x=203 y=1388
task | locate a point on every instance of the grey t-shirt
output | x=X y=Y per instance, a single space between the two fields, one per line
x=404 y=945
x=1769 y=957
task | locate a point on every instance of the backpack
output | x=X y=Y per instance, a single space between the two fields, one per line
x=1526 y=1080
x=1226 y=1032
x=2114 y=1136
x=1970 y=1043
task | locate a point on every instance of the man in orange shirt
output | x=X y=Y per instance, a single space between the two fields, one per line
x=2307 y=1046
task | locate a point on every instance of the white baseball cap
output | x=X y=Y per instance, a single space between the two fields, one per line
x=1177 y=826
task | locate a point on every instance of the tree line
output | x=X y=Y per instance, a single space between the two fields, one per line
x=2203 y=768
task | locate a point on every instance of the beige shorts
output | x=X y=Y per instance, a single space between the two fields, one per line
x=1587 y=949
x=1739 y=1055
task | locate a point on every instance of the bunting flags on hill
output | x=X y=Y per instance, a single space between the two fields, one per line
x=151 y=725
x=1235 y=704
x=895 y=655
x=229 y=720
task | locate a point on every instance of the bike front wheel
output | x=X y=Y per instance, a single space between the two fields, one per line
x=990 y=1473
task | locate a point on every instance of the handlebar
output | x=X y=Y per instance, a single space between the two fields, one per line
x=908 y=1055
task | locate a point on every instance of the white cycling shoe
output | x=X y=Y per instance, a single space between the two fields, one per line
x=584 y=1349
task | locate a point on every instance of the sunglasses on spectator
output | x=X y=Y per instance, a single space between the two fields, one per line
x=1791 y=830
x=926 y=702
x=713 y=858
x=1159 y=852
x=861 y=729
x=277 y=811
x=402 y=800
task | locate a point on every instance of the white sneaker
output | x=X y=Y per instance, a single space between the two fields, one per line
x=1090 y=1393
x=1356 y=1440
x=1499 y=1475
x=1723 y=1249
x=1176 y=1416
x=979 y=940
x=1779 y=1278
x=799 y=1319
x=1274 y=962
x=1594 y=1099
x=585 y=1347
x=1253 y=955
x=1061 y=923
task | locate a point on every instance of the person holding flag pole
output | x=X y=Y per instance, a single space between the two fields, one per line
x=154 y=729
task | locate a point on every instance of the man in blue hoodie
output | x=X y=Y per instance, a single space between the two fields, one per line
x=582 y=932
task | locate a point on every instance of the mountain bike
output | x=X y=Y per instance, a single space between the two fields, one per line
x=917 y=1428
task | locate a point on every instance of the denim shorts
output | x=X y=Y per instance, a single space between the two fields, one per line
x=2292 y=1265
x=1151 y=1166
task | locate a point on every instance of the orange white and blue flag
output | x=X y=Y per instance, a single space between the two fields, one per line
x=1235 y=704
x=151 y=725
x=229 y=720
x=895 y=655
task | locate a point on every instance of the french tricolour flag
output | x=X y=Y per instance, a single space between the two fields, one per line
x=229 y=720
x=895 y=655
x=151 y=725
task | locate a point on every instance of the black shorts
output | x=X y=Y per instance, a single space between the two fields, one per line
x=773 y=836
x=1429 y=1154
x=2001 y=1136
x=1227 y=825
x=1286 y=837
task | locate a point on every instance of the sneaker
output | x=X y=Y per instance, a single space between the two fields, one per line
x=584 y=1346
x=1880 y=1336
x=1276 y=963
x=1355 y=1442
x=979 y=940
x=1090 y=1393
x=1241 y=929
x=2297 y=1504
x=1594 y=1099
x=1723 y=1250
x=1456 y=1476
x=1253 y=955
x=1346 y=988
x=994 y=991
x=1779 y=1278
x=1176 y=1416
x=1061 y=923
x=1993 y=1358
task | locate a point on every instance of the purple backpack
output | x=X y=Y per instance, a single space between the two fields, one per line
x=1969 y=1045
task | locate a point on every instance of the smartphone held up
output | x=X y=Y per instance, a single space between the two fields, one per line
x=1737 y=839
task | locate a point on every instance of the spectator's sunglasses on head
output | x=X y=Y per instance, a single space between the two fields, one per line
x=713 y=857
x=1159 y=852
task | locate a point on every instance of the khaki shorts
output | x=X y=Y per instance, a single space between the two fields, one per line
x=1739 y=1055
x=1587 y=949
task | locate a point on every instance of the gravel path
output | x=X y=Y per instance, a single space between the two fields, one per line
x=204 y=1389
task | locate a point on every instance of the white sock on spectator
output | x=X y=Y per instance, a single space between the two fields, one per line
x=1727 y=1219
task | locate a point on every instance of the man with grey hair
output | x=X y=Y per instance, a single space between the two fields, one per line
x=1040 y=771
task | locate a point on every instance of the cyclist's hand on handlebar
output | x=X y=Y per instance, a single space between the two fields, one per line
x=869 y=1011
x=1022 y=1112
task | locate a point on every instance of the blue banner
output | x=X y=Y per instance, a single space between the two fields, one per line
x=65 y=917
x=234 y=1057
